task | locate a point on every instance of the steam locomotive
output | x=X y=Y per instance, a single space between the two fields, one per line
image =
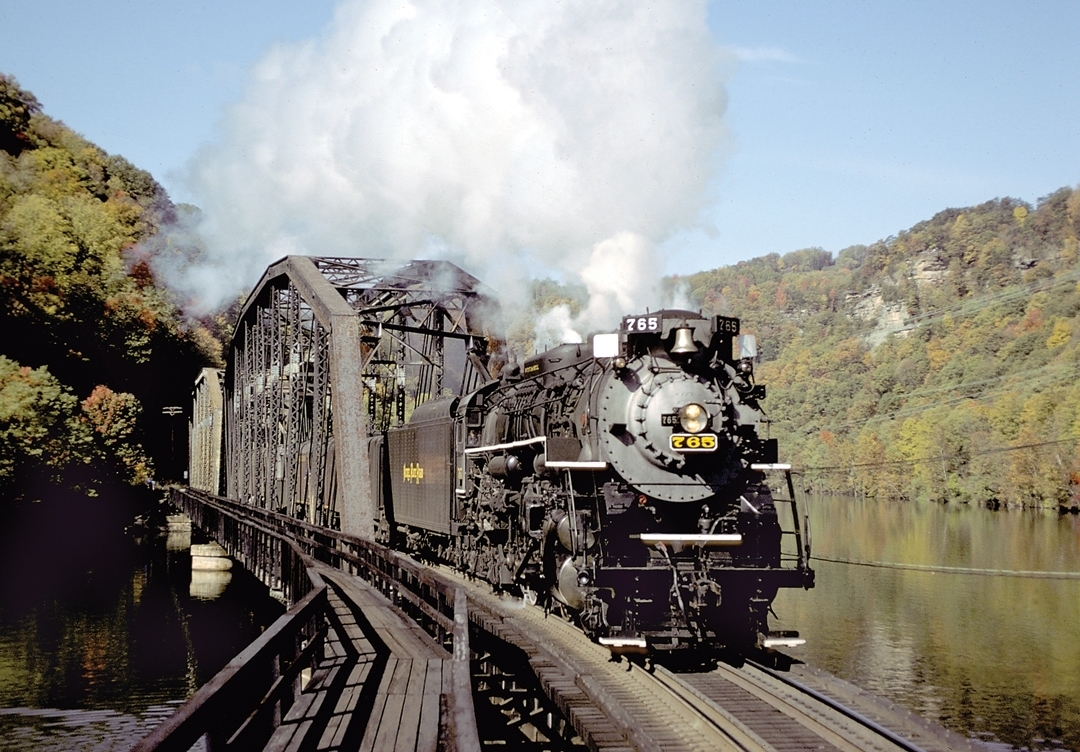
x=622 y=480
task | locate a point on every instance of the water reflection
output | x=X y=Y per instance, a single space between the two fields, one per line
x=208 y=585
x=992 y=656
x=101 y=636
x=107 y=730
x=178 y=532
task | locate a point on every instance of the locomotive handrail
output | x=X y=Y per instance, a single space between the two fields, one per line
x=804 y=549
x=509 y=445
x=801 y=529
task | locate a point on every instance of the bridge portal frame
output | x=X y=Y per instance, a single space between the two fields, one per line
x=315 y=336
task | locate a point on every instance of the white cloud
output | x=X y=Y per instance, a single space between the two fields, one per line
x=577 y=135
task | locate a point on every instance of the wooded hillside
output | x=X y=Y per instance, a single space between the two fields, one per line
x=92 y=348
x=941 y=363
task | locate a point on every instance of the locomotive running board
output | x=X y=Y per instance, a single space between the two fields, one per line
x=621 y=645
x=554 y=464
x=692 y=539
x=782 y=640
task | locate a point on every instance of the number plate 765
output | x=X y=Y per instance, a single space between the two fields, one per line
x=693 y=442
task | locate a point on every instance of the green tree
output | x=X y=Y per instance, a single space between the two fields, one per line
x=16 y=107
x=992 y=298
x=38 y=421
x=79 y=235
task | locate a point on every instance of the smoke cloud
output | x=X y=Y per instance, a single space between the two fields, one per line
x=508 y=137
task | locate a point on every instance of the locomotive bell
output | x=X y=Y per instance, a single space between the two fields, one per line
x=684 y=341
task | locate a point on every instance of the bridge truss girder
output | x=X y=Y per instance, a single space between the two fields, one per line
x=204 y=432
x=327 y=352
x=419 y=326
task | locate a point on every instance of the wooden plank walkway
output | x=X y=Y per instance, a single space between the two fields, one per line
x=379 y=684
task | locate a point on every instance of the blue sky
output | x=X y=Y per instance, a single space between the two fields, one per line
x=849 y=121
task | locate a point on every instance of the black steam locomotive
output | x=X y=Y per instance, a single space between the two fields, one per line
x=622 y=480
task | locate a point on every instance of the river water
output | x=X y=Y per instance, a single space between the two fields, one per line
x=997 y=657
x=103 y=632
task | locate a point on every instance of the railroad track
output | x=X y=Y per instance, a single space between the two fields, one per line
x=636 y=716
x=759 y=712
x=751 y=708
x=618 y=706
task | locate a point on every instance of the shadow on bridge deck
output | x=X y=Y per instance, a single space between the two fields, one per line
x=379 y=685
x=342 y=669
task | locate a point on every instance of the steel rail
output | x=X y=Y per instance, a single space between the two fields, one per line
x=722 y=722
x=408 y=580
x=769 y=723
x=853 y=715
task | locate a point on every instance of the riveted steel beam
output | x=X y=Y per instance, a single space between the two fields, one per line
x=312 y=375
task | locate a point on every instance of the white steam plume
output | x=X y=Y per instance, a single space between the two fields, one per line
x=506 y=136
x=554 y=327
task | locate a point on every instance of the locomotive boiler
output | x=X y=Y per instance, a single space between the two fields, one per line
x=624 y=480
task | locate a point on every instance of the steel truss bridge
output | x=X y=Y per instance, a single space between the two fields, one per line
x=326 y=352
x=378 y=651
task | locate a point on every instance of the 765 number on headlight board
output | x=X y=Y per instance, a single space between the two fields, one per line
x=693 y=442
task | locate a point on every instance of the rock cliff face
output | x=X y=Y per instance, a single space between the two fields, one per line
x=886 y=318
x=929 y=267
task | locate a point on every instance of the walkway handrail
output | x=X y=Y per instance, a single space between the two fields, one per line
x=223 y=706
x=461 y=715
x=419 y=591
x=257 y=678
x=243 y=703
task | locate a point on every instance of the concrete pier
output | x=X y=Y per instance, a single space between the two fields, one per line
x=209 y=557
x=178 y=530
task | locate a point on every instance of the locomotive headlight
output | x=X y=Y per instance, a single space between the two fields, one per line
x=694 y=418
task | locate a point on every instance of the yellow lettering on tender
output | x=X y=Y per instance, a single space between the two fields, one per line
x=412 y=473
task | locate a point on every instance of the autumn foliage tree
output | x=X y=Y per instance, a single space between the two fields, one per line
x=85 y=322
x=940 y=364
x=112 y=419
